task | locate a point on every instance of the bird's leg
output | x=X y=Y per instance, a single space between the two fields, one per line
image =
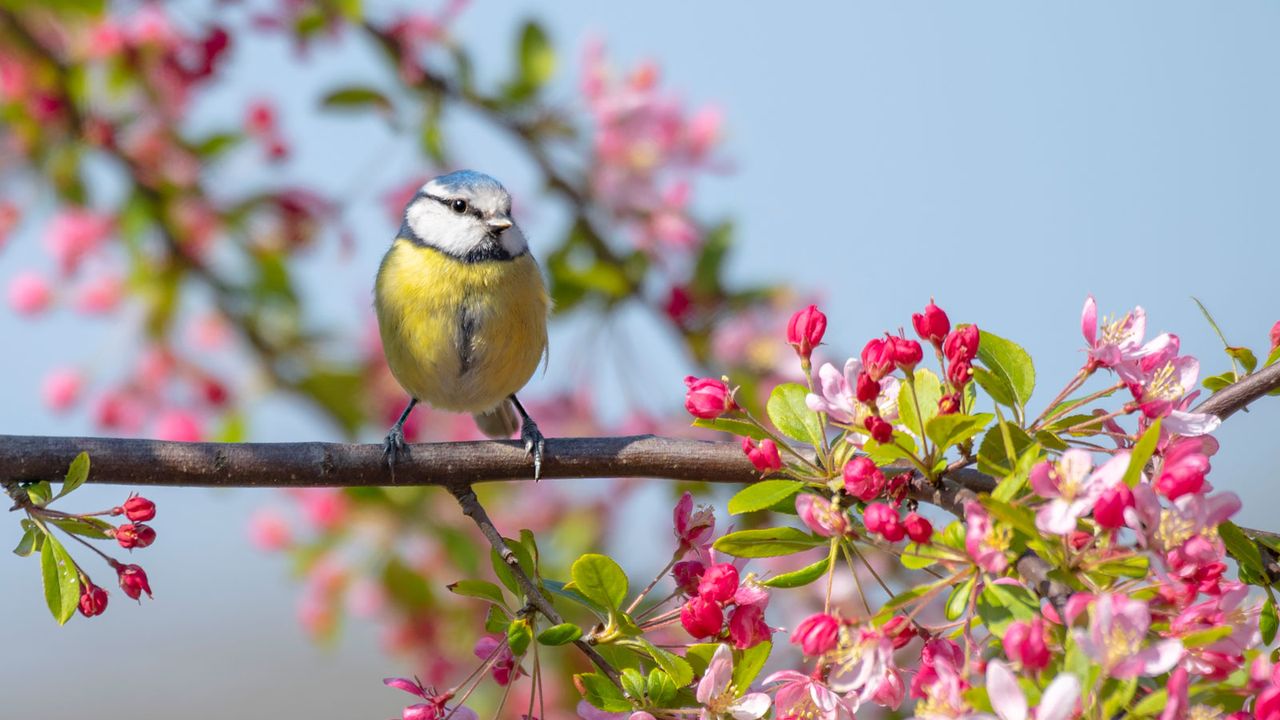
x=392 y=448
x=534 y=442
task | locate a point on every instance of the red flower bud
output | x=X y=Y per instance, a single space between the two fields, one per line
x=949 y=404
x=764 y=456
x=900 y=630
x=707 y=398
x=687 y=575
x=866 y=389
x=93 y=600
x=806 y=329
x=884 y=521
x=701 y=617
x=816 y=634
x=1181 y=479
x=137 y=509
x=933 y=325
x=962 y=344
x=906 y=353
x=1110 y=507
x=877 y=358
x=214 y=392
x=919 y=529
x=1025 y=643
x=133 y=580
x=132 y=536
x=678 y=305
x=959 y=373
x=881 y=431
x=719 y=583
x=747 y=627
x=862 y=479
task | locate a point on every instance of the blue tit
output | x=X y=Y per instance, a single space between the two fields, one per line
x=462 y=308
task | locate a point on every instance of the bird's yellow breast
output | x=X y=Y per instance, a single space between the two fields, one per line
x=460 y=336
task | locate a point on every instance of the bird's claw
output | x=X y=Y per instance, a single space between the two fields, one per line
x=534 y=444
x=394 y=445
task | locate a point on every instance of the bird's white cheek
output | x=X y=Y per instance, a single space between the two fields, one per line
x=514 y=242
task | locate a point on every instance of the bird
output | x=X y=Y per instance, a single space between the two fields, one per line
x=462 y=309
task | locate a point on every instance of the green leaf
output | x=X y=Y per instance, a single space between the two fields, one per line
x=707 y=268
x=561 y=634
x=1243 y=550
x=1245 y=356
x=1007 y=359
x=1151 y=704
x=600 y=579
x=993 y=454
x=958 y=601
x=928 y=392
x=750 y=664
x=661 y=688
x=76 y=475
x=734 y=427
x=482 y=589
x=801 y=577
x=789 y=413
x=356 y=97
x=406 y=586
x=1133 y=566
x=997 y=386
x=767 y=542
x=674 y=665
x=1116 y=696
x=1142 y=452
x=519 y=635
x=1013 y=483
x=699 y=656
x=1273 y=357
x=27 y=543
x=762 y=495
x=40 y=493
x=503 y=571
x=537 y=56
x=601 y=692
x=568 y=592
x=338 y=391
x=1214 y=383
x=633 y=682
x=1206 y=637
x=1267 y=621
x=61 y=581
x=496 y=620
x=949 y=430
x=87 y=527
x=917 y=557
x=999 y=605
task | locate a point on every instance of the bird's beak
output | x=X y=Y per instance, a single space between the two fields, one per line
x=498 y=224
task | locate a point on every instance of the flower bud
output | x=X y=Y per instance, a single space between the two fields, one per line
x=824 y=517
x=701 y=617
x=707 y=398
x=891 y=691
x=900 y=630
x=421 y=711
x=816 y=634
x=764 y=456
x=93 y=600
x=133 y=580
x=906 y=354
x=719 y=583
x=881 y=431
x=806 y=329
x=862 y=479
x=959 y=373
x=137 y=509
x=949 y=404
x=132 y=536
x=214 y=392
x=962 y=344
x=1110 y=507
x=883 y=520
x=866 y=389
x=747 y=627
x=919 y=529
x=1174 y=482
x=1275 y=336
x=687 y=575
x=877 y=358
x=932 y=325
x=1025 y=643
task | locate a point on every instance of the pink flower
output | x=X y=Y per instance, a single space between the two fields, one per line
x=938 y=658
x=805 y=330
x=804 y=696
x=919 y=529
x=1109 y=510
x=985 y=545
x=1183 y=469
x=61 y=388
x=1058 y=702
x=1275 y=336
x=862 y=479
x=824 y=517
x=932 y=325
x=961 y=345
x=763 y=456
x=719 y=583
x=718 y=697
x=883 y=520
x=906 y=353
x=1072 y=490
x=687 y=575
x=692 y=529
x=816 y=634
x=435 y=707
x=1163 y=391
x=29 y=293
x=1120 y=341
x=839 y=400
x=75 y=233
x=99 y=295
x=707 y=398
x=1026 y=644
x=505 y=668
x=747 y=627
x=877 y=358
x=1184 y=534
x=861 y=664
x=702 y=617
x=1116 y=639
x=177 y=426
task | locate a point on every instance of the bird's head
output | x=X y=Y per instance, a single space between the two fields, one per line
x=465 y=214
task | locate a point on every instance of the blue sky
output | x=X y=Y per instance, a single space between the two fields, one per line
x=1006 y=158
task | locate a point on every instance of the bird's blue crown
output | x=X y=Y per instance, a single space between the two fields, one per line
x=467 y=180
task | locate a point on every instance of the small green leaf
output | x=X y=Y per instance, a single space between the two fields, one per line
x=661 y=689
x=503 y=571
x=601 y=693
x=1116 y=696
x=600 y=579
x=1242 y=549
x=633 y=683
x=1272 y=357
x=767 y=542
x=1245 y=356
x=1142 y=452
x=734 y=427
x=76 y=475
x=357 y=97
x=789 y=413
x=949 y=430
x=997 y=386
x=86 y=527
x=61 y=581
x=1133 y=566
x=561 y=634
x=750 y=664
x=801 y=577
x=1013 y=483
x=999 y=605
x=917 y=557
x=481 y=589
x=1206 y=637
x=958 y=601
x=496 y=621
x=519 y=634
x=40 y=493
x=928 y=391
x=1267 y=621
x=674 y=665
x=1214 y=383
x=1151 y=705
x=1009 y=361
x=763 y=495
x=568 y=592
x=537 y=56
x=993 y=454
x=27 y=543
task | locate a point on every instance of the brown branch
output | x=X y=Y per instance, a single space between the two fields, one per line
x=1237 y=396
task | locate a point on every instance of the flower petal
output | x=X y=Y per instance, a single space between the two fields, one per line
x=1006 y=697
x=716 y=679
x=1059 y=699
x=750 y=706
x=1160 y=657
x=1089 y=321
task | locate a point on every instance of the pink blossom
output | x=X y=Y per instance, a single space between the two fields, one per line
x=75 y=233
x=1120 y=340
x=29 y=293
x=692 y=529
x=718 y=697
x=862 y=479
x=1183 y=468
x=1058 y=702
x=505 y=668
x=1162 y=393
x=816 y=634
x=719 y=582
x=1026 y=644
x=838 y=399
x=984 y=543
x=1117 y=635
x=178 y=426
x=764 y=455
x=1071 y=489
x=804 y=696
x=435 y=707
x=822 y=516
x=702 y=617
x=891 y=691
x=747 y=627
x=100 y=294
x=860 y=665
x=1185 y=534
x=61 y=388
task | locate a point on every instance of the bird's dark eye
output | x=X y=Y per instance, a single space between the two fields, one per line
x=459 y=206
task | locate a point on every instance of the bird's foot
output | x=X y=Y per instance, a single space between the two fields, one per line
x=394 y=445
x=534 y=444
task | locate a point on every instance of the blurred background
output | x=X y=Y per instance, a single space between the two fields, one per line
x=194 y=198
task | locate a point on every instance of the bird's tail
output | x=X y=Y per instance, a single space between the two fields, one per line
x=500 y=422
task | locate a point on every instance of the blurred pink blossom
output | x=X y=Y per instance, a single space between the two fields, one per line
x=61 y=388
x=75 y=233
x=178 y=426
x=269 y=530
x=100 y=294
x=29 y=293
